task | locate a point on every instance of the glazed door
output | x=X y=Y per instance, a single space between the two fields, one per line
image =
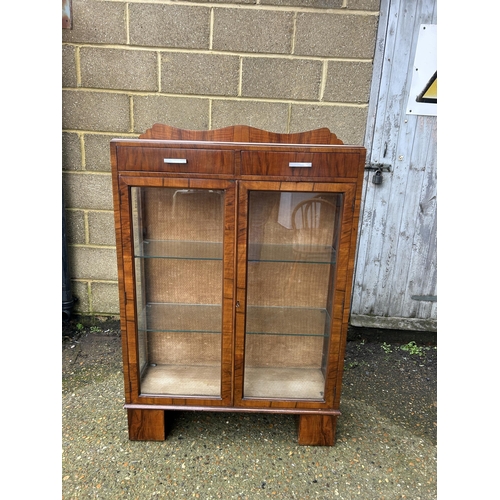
x=292 y=255
x=182 y=252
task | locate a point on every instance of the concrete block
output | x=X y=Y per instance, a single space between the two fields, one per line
x=242 y=2
x=347 y=122
x=106 y=68
x=97 y=111
x=97 y=149
x=80 y=292
x=101 y=228
x=315 y=4
x=75 y=227
x=71 y=152
x=373 y=5
x=335 y=35
x=88 y=191
x=204 y=74
x=272 y=116
x=181 y=26
x=68 y=66
x=182 y=112
x=281 y=78
x=257 y=31
x=90 y=263
x=97 y=22
x=348 y=81
x=105 y=298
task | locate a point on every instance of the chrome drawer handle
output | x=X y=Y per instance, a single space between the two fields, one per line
x=300 y=164
x=174 y=160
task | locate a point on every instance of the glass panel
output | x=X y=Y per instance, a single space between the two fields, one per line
x=292 y=244
x=178 y=235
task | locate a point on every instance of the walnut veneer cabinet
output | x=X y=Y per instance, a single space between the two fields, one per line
x=235 y=260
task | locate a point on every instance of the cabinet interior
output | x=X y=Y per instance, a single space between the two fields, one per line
x=178 y=237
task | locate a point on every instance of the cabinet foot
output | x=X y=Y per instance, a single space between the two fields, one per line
x=317 y=430
x=146 y=425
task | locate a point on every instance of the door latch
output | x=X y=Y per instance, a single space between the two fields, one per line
x=379 y=168
x=383 y=167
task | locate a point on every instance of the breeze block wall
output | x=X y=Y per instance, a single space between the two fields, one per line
x=279 y=65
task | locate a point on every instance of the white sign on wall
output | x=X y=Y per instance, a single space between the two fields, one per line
x=422 y=99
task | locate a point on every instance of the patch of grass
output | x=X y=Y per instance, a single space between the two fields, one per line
x=413 y=348
x=350 y=365
x=386 y=348
x=360 y=344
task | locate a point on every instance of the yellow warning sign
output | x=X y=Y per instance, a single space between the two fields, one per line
x=430 y=93
x=422 y=96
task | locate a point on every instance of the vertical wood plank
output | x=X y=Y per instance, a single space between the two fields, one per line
x=422 y=276
x=407 y=267
x=120 y=269
x=227 y=359
x=241 y=281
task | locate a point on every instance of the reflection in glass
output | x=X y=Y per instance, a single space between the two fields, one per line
x=292 y=244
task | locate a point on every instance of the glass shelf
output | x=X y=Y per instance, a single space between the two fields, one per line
x=261 y=320
x=310 y=254
x=287 y=321
x=194 y=318
x=203 y=250
x=175 y=249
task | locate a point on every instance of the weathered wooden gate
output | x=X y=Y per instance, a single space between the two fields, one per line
x=395 y=276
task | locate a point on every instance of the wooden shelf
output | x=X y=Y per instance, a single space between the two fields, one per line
x=284 y=383
x=182 y=380
x=204 y=380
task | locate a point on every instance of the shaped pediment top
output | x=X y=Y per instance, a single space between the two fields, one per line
x=240 y=133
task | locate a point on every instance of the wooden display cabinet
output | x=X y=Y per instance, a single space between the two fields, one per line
x=235 y=260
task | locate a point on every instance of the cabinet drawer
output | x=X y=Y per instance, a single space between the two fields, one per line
x=176 y=160
x=295 y=164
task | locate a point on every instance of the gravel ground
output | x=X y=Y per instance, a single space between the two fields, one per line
x=386 y=435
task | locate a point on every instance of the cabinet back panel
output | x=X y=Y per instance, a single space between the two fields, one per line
x=183 y=214
x=184 y=348
x=283 y=351
x=183 y=281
